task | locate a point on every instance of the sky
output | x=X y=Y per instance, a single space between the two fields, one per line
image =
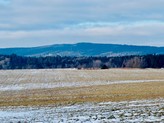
x=29 y=23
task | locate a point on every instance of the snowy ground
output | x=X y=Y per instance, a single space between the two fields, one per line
x=24 y=87
x=56 y=78
x=109 y=112
x=31 y=86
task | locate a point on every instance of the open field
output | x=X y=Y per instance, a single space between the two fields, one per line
x=145 y=111
x=48 y=90
x=42 y=87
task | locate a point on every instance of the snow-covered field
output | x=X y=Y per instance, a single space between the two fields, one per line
x=109 y=112
x=31 y=86
x=86 y=96
x=39 y=79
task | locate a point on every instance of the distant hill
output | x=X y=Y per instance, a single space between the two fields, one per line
x=84 y=49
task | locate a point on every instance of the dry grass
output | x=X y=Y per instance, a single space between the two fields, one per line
x=52 y=76
x=115 y=92
x=70 y=95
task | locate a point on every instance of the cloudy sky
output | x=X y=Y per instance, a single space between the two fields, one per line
x=25 y=23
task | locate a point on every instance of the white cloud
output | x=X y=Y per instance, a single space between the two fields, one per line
x=6 y=25
x=128 y=21
x=111 y=32
x=59 y=11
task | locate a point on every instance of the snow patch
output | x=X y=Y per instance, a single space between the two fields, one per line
x=133 y=111
x=29 y=86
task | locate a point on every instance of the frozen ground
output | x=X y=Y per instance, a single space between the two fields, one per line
x=34 y=87
x=109 y=112
x=31 y=86
x=39 y=79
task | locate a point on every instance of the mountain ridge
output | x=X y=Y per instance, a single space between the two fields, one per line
x=83 y=49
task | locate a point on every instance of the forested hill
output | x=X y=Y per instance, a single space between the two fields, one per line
x=84 y=49
x=18 y=62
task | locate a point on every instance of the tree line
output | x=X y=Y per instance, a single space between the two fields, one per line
x=19 y=62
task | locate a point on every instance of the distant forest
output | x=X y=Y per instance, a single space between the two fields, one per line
x=18 y=62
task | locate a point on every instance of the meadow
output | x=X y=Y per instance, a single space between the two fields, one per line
x=49 y=89
x=43 y=87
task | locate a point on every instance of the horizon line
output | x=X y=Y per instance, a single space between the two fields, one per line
x=79 y=43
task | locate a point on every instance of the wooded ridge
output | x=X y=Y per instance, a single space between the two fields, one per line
x=135 y=61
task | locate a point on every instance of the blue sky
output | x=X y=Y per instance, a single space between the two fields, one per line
x=25 y=23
